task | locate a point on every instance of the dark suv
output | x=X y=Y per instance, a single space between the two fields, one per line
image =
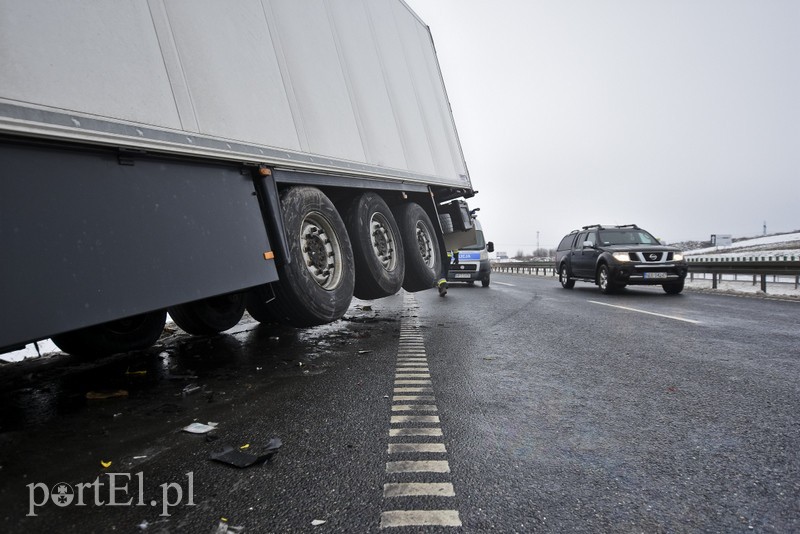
x=615 y=256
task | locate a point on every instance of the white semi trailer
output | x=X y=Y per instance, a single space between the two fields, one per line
x=204 y=157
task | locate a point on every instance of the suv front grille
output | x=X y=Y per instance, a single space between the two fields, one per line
x=652 y=257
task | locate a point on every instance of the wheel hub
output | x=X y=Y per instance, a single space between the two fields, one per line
x=425 y=245
x=321 y=251
x=603 y=278
x=383 y=241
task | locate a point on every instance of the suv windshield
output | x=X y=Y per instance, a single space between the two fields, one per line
x=480 y=245
x=627 y=237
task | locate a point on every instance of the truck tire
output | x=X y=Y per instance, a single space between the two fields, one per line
x=132 y=333
x=209 y=316
x=563 y=277
x=446 y=220
x=316 y=287
x=377 y=248
x=260 y=304
x=485 y=282
x=421 y=247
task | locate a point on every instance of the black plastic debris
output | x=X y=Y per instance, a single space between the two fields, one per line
x=223 y=527
x=241 y=459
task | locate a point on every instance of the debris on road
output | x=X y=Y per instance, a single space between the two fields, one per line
x=318 y=522
x=191 y=388
x=103 y=395
x=223 y=527
x=200 y=428
x=238 y=458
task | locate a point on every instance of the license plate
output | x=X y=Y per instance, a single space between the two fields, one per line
x=463 y=275
x=655 y=275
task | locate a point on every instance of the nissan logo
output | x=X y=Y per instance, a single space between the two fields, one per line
x=652 y=257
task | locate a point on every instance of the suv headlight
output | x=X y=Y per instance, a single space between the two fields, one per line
x=677 y=256
x=622 y=256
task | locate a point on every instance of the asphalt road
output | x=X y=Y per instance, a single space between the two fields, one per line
x=521 y=407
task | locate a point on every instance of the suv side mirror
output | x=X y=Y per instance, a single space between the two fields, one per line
x=489 y=247
x=588 y=244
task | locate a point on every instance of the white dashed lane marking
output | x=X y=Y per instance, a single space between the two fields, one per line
x=414 y=407
x=393 y=432
x=408 y=489
x=420 y=398
x=416 y=449
x=418 y=466
x=398 y=448
x=626 y=308
x=395 y=419
x=420 y=518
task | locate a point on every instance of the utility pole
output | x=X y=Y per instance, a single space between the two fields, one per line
x=537 y=243
x=765 y=227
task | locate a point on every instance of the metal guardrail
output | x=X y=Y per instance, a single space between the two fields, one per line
x=760 y=268
x=525 y=267
x=757 y=267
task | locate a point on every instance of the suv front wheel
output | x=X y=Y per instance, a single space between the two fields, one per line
x=673 y=288
x=604 y=280
x=563 y=277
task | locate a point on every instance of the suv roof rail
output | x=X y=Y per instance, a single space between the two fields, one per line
x=601 y=227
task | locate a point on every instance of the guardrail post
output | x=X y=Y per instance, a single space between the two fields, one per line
x=754 y=279
x=713 y=280
x=764 y=283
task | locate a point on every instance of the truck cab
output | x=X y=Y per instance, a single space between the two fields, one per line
x=471 y=263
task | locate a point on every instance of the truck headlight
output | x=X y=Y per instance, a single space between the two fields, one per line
x=622 y=256
x=677 y=256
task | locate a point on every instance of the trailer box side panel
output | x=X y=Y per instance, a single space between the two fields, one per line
x=86 y=240
x=98 y=58
x=343 y=86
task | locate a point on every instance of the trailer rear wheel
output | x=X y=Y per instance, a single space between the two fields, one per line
x=421 y=247
x=316 y=287
x=377 y=249
x=123 y=335
x=209 y=316
x=260 y=304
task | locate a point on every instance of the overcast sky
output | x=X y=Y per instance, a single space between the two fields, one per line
x=682 y=116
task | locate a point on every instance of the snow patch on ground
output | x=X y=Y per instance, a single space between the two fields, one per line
x=786 y=244
x=744 y=286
